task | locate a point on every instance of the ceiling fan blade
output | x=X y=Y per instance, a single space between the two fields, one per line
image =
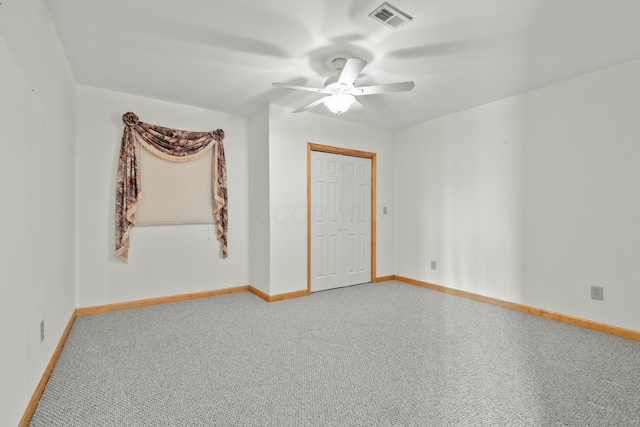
x=307 y=88
x=308 y=106
x=357 y=108
x=386 y=88
x=351 y=71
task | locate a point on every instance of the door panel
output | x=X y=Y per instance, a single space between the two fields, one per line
x=358 y=222
x=325 y=222
x=320 y=245
x=333 y=256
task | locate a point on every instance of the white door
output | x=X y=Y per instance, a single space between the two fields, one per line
x=340 y=220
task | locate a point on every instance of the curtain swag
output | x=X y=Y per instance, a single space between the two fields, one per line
x=175 y=146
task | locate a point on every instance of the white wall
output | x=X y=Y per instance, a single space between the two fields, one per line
x=531 y=199
x=163 y=260
x=259 y=233
x=288 y=137
x=37 y=178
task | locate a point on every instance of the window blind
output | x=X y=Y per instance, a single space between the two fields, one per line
x=174 y=193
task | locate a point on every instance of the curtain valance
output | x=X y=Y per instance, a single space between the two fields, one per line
x=173 y=145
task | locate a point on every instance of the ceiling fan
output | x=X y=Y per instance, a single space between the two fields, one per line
x=340 y=89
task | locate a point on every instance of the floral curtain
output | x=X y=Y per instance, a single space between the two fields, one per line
x=175 y=146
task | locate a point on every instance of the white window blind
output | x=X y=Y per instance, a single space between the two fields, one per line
x=174 y=193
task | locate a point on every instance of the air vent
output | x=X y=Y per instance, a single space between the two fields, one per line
x=390 y=16
x=383 y=14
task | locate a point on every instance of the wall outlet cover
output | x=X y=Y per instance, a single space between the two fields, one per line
x=597 y=293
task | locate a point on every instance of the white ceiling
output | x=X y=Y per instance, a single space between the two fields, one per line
x=224 y=55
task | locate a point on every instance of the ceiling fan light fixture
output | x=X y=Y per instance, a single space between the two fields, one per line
x=338 y=103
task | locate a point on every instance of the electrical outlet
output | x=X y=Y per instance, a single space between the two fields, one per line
x=597 y=293
x=384 y=210
x=433 y=265
x=42 y=331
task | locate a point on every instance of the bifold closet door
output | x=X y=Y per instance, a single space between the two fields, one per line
x=340 y=220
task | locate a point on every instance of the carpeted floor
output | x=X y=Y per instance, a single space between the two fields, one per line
x=387 y=354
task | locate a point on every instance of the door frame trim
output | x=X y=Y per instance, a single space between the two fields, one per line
x=346 y=152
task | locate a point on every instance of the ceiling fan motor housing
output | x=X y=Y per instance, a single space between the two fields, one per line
x=339 y=63
x=332 y=84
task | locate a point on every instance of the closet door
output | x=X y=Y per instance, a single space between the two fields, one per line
x=356 y=219
x=340 y=220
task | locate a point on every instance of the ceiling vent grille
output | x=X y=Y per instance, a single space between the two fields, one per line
x=390 y=16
